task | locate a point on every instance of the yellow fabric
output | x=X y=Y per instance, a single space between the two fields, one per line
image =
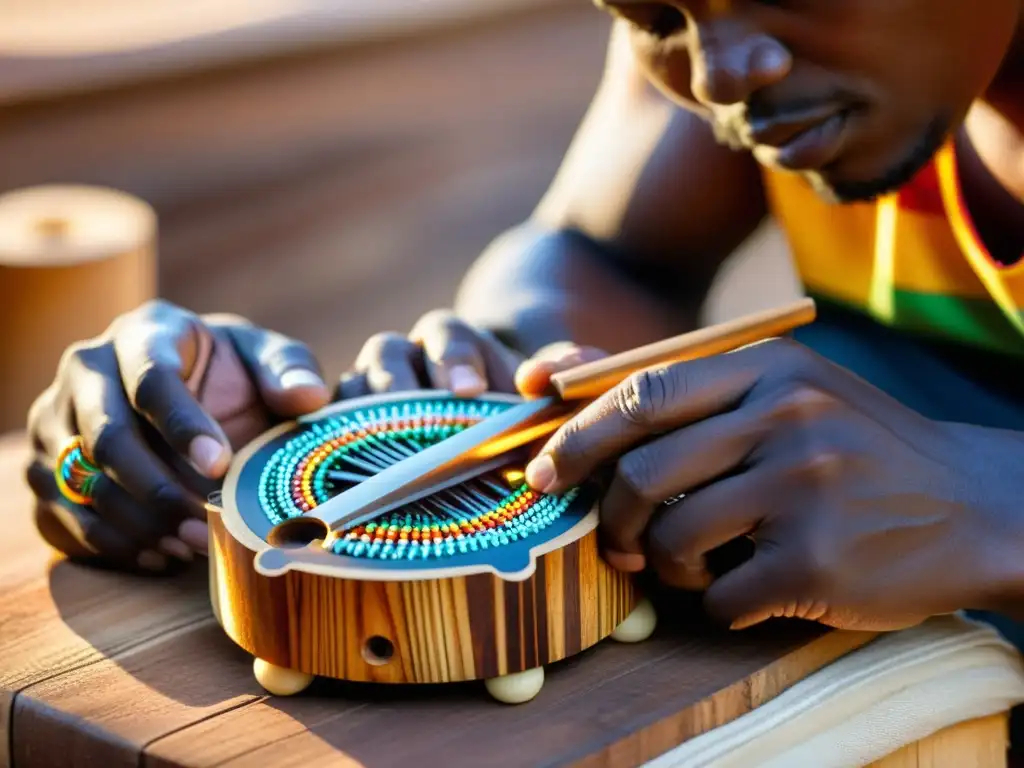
x=910 y=260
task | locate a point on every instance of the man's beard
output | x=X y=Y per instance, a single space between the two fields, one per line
x=921 y=152
x=897 y=176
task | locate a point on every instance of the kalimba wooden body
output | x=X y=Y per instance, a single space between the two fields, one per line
x=487 y=581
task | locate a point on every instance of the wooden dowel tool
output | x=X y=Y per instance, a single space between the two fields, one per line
x=494 y=440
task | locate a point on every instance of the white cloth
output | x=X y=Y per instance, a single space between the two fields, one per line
x=897 y=689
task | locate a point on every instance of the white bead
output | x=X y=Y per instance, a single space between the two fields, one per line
x=639 y=625
x=280 y=681
x=517 y=688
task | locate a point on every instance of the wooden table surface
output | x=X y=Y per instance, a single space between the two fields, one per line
x=57 y=47
x=102 y=669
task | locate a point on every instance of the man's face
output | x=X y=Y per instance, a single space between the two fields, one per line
x=856 y=95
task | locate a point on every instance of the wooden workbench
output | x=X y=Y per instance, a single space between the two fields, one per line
x=102 y=669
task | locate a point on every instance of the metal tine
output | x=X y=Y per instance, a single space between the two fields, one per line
x=414 y=446
x=494 y=486
x=480 y=497
x=380 y=452
x=351 y=477
x=389 y=449
x=470 y=496
x=475 y=504
x=365 y=465
x=412 y=450
x=440 y=506
x=381 y=459
x=448 y=507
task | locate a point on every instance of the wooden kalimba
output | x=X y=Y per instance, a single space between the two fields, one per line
x=486 y=579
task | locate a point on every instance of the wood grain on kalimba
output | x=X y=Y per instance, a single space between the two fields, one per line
x=488 y=580
x=444 y=629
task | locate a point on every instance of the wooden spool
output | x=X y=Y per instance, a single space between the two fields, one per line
x=72 y=258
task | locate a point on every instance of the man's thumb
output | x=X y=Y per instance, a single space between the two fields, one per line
x=534 y=375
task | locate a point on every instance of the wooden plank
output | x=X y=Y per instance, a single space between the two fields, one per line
x=107 y=667
x=111 y=710
x=978 y=743
x=617 y=705
x=55 y=48
x=415 y=157
x=204 y=138
x=56 y=617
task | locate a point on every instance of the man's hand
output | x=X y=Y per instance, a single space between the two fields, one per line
x=864 y=514
x=161 y=443
x=441 y=352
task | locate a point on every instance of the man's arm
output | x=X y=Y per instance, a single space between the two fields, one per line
x=623 y=247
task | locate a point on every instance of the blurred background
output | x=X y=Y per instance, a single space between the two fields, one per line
x=328 y=169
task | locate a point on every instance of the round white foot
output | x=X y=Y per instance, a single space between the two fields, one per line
x=639 y=625
x=518 y=687
x=279 y=681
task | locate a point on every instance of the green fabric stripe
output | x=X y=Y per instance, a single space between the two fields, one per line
x=973 y=322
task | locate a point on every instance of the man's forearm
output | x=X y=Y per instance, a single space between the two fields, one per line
x=532 y=287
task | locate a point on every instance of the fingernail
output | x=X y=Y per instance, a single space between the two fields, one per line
x=206 y=455
x=528 y=374
x=771 y=60
x=464 y=379
x=177 y=548
x=540 y=473
x=152 y=561
x=195 y=534
x=629 y=562
x=300 y=377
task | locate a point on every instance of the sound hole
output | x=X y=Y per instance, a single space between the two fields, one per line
x=378 y=651
x=297 y=532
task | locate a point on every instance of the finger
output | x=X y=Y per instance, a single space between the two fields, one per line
x=50 y=423
x=390 y=362
x=500 y=362
x=195 y=534
x=153 y=360
x=157 y=348
x=111 y=436
x=150 y=534
x=534 y=375
x=285 y=371
x=451 y=354
x=135 y=527
x=682 y=538
x=674 y=464
x=79 y=532
x=760 y=589
x=352 y=384
x=648 y=403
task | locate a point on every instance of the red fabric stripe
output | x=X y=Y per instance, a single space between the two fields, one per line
x=922 y=194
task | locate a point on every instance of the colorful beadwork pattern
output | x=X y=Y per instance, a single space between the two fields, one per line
x=75 y=473
x=333 y=453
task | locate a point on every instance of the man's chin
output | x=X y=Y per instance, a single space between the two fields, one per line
x=853 y=179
